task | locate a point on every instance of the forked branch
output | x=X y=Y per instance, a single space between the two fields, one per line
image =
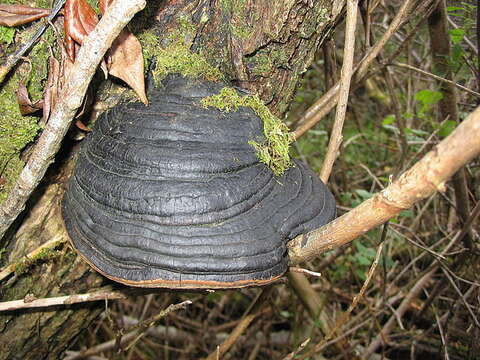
x=423 y=179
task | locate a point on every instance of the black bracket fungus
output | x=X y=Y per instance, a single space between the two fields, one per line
x=172 y=195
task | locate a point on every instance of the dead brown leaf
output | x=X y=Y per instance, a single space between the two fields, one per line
x=80 y=20
x=79 y=124
x=15 y=15
x=25 y=104
x=103 y=5
x=52 y=87
x=125 y=59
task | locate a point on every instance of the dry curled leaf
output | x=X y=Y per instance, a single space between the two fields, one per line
x=15 y=15
x=103 y=5
x=25 y=104
x=80 y=20
x=52 y=87
x=125 y=59
x=79 y=124
x=58 y=73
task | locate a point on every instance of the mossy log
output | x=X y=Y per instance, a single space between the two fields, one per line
x=263 y=46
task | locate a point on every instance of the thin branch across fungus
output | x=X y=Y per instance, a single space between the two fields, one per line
x=89 y=56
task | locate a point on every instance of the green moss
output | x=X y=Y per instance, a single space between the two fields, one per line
x=43 y=255
x=16 y=131
x=274 y=151
x=237 y=11
x=184 y=30
x=266 y=60
x=39 y=56
x=176 y=56
x=313 y=23
x=234 y=6
x=7 y=34
x=261 y=63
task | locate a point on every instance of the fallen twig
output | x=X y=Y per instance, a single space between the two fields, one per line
x=415 y=290
x=143 y=326
x=251 y=313
x=294 y=353
x=133 y=335
x=344 y=317
x=30 y=302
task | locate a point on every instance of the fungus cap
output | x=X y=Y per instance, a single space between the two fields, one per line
x=172 y=195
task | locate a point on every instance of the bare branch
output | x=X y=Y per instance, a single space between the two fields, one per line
x=344 y=317
x=133 y=334
x=387 y=328
x=90 y=55
x=436 y=77
x=420 y=181
x=29 y=303
x=328 y=101
x=344 y=89
x=248 y=317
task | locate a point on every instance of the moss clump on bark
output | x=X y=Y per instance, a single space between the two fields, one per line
x=274 y=151
x=44 y=255
x=176 y=56
x=237 y=10
x=16 y=131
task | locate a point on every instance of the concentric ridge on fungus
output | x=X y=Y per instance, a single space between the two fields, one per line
x=172 y=195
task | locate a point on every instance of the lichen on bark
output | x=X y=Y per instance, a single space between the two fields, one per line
x=175 y=56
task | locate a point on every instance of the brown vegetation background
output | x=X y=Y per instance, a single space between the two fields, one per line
x=402 y=144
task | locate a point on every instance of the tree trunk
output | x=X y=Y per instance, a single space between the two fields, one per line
x=45 y=333
x=440 y=44
x=260 y=45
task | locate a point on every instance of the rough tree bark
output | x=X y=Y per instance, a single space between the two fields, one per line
x=440 y=48
x=261 y=45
